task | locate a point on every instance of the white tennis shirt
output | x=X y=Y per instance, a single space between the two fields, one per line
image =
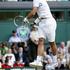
x=43 y=8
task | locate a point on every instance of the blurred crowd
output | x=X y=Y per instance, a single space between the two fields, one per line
x=22 y=53
x=16 y=54
x=60 y=61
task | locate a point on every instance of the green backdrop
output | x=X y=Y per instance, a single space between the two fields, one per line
x=6 y=25
x=62 y=32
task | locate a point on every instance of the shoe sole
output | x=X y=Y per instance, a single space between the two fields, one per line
x=35 y=65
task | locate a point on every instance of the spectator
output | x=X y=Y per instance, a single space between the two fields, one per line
x=14 y=48
x=14 y=38
x=62 y=48
x=3 y=48
x=47 y=61
x=54 y=61
x=33 y=49
x=10 y=56
x=61 y=60
x=32 y=42
x=27 y=51
x=18 y=63
x=6 y=64
x=61 y=55
x=22 y=56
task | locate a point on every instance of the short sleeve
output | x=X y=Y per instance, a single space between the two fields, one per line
x=35 y=3
x=10 y=40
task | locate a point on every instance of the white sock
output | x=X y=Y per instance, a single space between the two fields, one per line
x=39 y=58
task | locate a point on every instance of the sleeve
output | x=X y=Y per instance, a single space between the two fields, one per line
x=35 y=3
x=9 y=40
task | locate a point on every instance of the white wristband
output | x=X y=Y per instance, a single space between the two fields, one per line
x=37 y=21
x=26 y=20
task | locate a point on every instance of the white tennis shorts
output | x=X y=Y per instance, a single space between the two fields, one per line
x=47 y=28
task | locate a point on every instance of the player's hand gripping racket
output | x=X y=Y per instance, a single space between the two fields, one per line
x=23 y=29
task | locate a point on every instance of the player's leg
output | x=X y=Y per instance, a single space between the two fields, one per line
x=51 y=34
x=40 y=50
x=40 y=53
x=53 y=48
x=51 y=39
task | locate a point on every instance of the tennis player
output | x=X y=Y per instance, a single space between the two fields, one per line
x=47 y=28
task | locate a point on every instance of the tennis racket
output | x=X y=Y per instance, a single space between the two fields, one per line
x=23 y=29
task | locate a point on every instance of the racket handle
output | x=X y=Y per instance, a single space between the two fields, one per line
x=25 y=20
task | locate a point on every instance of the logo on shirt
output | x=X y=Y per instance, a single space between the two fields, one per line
x=40 y=4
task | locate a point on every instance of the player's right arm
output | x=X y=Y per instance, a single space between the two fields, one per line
x=32 y=13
